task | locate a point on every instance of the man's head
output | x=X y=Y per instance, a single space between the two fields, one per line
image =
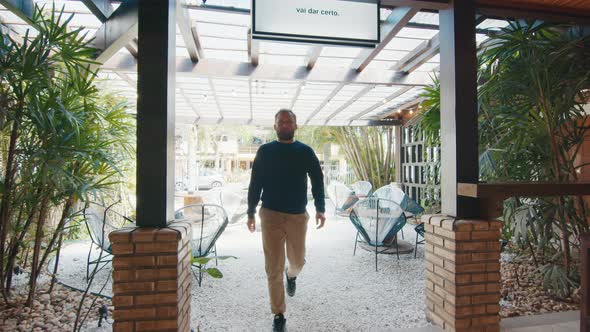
x=285 y=124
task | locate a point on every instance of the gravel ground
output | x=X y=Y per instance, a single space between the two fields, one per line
x=335 y=292
x=50 y=312
x=72 y=269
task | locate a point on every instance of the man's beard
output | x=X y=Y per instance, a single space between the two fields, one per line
x=285 y=136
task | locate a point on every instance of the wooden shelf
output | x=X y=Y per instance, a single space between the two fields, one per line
x=492 y=195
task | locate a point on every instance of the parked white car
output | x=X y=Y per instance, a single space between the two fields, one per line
x=209 y=179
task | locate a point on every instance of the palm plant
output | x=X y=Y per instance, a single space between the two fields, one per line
x=61 y=142
x=429 y=123
x=533 y=111
x=370 y=152
x=531 y=124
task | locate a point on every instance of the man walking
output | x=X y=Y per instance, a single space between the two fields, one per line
x=280 y=173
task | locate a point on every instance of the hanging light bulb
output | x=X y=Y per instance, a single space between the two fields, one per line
x=205 y=97
x=399 y=111
x=384 y=101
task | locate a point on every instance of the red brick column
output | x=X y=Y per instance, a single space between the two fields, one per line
x=152 y=278
x=463 y=273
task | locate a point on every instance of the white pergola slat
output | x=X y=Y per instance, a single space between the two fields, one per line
x=224 y=78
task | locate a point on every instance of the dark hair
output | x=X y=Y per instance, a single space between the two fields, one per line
x=284 y=110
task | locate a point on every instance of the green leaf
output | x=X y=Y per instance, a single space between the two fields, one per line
x=205 y=260
x=214 y=272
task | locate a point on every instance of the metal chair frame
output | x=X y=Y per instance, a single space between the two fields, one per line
x=108 y=257
x=213 y=246
x=419 y=231
x=367 y=240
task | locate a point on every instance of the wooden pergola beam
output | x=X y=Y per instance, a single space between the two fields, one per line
x=313 y=53
x=397 y=19
x=103 y=9
x=325 y=102
x=387 y=99
x=253 y=49
x=189 y=32
x=419 y=55
x=117 y=31
x=21 y=8
x=426 y=4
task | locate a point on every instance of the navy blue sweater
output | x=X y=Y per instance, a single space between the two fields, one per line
x=280 y=172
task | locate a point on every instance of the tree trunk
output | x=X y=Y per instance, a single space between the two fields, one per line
x=53 y=277
x=58 y=230
x=37 y=249
x=10 y=263
x=4 y=206
x=15 y=246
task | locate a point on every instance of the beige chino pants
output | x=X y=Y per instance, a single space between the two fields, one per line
x=279 y=231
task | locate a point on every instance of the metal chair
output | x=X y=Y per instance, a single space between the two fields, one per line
x=419 y=231
x=229 y=200
x=100 y=221
x=208 y=222
x=377 y=222
x=397 y=195
x=362 y=188
x=342 y=196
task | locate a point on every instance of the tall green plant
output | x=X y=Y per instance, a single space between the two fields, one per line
x=369 y=151
x=61 y=141
x=429 y=116
x=531 y=126
x=533 y=110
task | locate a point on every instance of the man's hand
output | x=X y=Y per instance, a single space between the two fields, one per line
x=320 y=219
x=251 y=224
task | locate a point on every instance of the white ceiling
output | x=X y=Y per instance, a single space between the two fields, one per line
x=214 y=91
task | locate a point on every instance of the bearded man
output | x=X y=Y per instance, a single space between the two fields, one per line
x=280 y=173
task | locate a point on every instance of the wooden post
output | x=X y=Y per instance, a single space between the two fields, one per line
x=458 y=76
x=156 y=65
x=585 y=302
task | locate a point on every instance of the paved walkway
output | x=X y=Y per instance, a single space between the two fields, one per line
x=567 y=321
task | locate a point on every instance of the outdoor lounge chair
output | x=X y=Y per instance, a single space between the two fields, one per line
x=377 y=221
x=342 y=196
x=100 y=221
x=229 y=200
x=397 y=195
x=419 y=229
x=410 y=207
x=362 y=188
x=208 y=222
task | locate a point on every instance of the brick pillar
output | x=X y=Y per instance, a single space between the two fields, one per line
x=152 y=278
x=463 y=273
